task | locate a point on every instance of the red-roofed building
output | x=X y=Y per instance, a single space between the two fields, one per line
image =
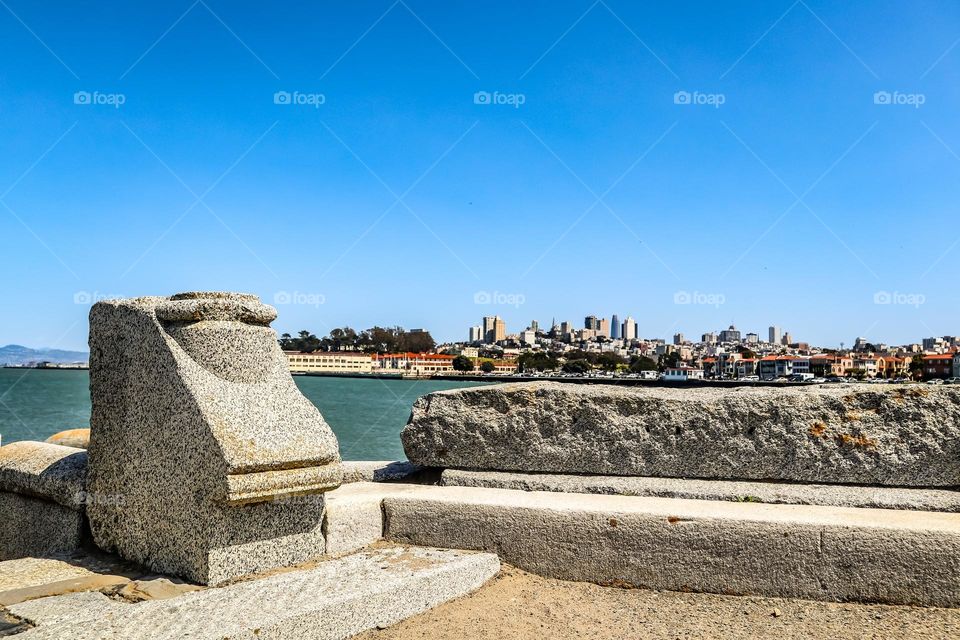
x=941 y=365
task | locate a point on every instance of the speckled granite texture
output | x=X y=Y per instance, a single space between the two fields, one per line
x=205 y=459
x=43 y=470
x=905 y=435
x=333 y=600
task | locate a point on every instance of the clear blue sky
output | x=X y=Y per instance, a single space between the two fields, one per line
x=794 y=202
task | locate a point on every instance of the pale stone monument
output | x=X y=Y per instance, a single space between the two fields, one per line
x=205 y=461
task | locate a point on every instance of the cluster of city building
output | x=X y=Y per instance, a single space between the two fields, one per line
x=724 y=354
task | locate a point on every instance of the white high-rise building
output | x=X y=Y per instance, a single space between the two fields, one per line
x=476 y=334
x=629 y=329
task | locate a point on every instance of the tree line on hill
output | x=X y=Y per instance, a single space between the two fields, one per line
x=373 y=340
x=578 y=361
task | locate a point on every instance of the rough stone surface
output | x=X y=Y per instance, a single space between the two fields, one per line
x=354 y=516
x=734 y=491
x=34 y=527
x=157 y=588
x=42 y=470
x=820 y=553
x=380 y=471
x=91 y=582
x=78 y=438
x=201 y=444
x=907 y=435
x=30 y=572
x=73 y=608
x=335 y=599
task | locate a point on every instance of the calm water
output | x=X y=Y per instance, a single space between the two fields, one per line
x=366 y=415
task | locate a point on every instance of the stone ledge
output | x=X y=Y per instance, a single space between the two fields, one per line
x=46 y=471
x=813 y=552
x=730 y=490
x=334 y=599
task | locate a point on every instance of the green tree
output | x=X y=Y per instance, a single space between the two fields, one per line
x=486 y=366
x=578 y=367
x=462 y=363
x=916 y=367
x=536 y=360
x=642 y=363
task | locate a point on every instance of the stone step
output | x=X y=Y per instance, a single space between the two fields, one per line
x=812 y=552
x=334 y=599
x=833 y=495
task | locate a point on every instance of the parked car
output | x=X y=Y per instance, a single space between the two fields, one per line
x=750 y=378
x=935 y=381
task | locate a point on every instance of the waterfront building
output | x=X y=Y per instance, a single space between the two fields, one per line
x=939 y=365
x=329 y=362
x=615 y=327
x=413 y=364
x=682 y=374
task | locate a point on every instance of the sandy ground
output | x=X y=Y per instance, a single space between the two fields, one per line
x=517 y=604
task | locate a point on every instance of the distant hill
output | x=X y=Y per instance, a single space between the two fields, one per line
x=18 y=354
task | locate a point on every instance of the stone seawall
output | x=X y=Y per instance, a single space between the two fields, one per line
x=852 y=434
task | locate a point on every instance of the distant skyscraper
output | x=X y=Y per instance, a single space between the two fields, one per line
x=476 y=334
x=615 y=327
x=628 y=330
x=773 y=335
x=787 y=338
x=604 y=329
x=494 y=329
x=752 y=338
x=678 y=338
x=591 y=322
x=534 y=326
x=730 y=335
x=709 y=338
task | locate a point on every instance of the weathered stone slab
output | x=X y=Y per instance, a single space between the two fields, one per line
x=42 y=470
x=380 y=471
x=820 y=553
x=79 y=438
x=30 y=572
x=35 y=527
x=905 y=435
x=200 y=438
x=91 y=582
x=833 y=495
x=335 y=599
x=354 y=515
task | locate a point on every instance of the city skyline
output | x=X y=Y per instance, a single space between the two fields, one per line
x=427 y=165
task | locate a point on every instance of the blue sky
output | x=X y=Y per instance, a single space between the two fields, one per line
x=782 y=189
